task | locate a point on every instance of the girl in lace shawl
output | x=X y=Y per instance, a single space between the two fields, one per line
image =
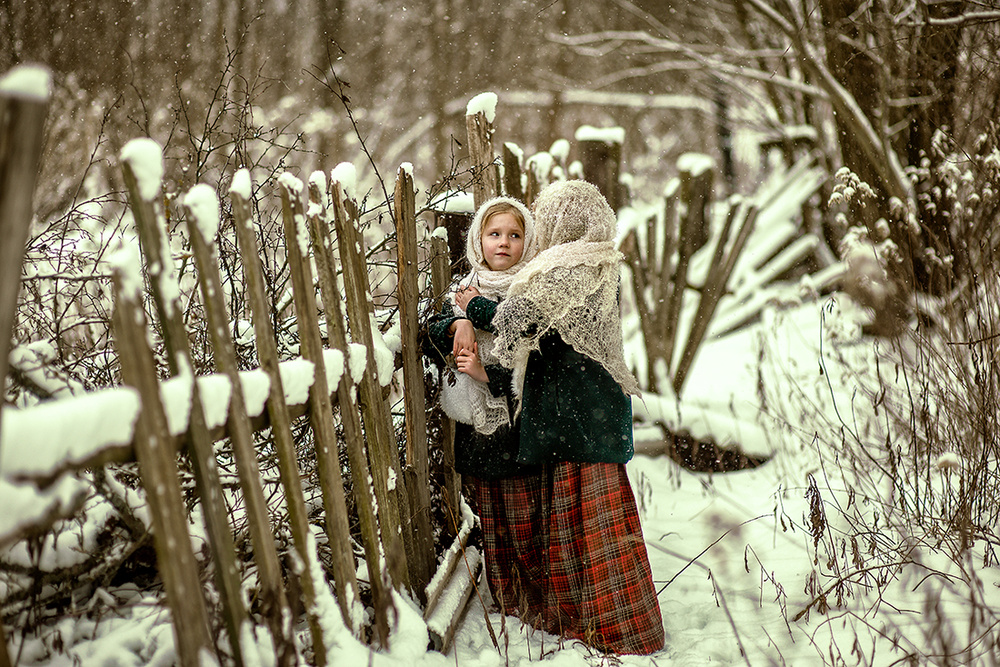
x=578 y=565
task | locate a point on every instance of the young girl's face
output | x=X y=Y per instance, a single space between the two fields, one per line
x=503 y=241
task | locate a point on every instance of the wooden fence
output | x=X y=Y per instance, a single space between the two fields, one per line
x=346 y=390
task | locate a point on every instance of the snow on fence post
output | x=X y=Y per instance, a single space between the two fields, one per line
x=24 y=103
x=440 y=282
x=512 y=170
x=354 y=439
x=601 y=154
x=479 y=116
x=277 y=407
x=142 y=168
x=320 y=407
x=158 y=467
x=202 y=208
x=408 y=297
x=383 y=455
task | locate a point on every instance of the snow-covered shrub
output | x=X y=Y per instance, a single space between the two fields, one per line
x=904 y=499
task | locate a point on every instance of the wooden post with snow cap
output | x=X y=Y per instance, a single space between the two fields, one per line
x=601 y=154
x=479 y=116
x=383 y=453
x=320 y=407
x=697 y=180
x=354 y=439
x=142 y=168
x=513 y=158
x=202 y=207
x=158 y=467
x=24 y=103
x=453 y=211
x=408 y=298
x=277 y=408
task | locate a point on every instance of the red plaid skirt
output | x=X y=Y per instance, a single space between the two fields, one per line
x=564 y=552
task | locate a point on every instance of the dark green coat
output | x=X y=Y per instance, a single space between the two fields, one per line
x=486 y=456
x=572 y=409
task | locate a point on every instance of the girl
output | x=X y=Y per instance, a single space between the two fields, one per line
x=499 y=242
x=559 y=330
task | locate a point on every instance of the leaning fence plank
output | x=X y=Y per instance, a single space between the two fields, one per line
x=320 y=407
x=24 y=102
x=354 y=439
x=394 y=515
x=408 y=296
x=158 y=466
x=695 y=191
x=145 y=156
x=202 y=208
x=277 y=408
x=440 y=282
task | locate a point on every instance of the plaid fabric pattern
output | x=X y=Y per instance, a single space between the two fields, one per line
x=564 y=551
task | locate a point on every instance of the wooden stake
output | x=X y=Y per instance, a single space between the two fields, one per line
x=281 y=423
x=408 y=298
x=486 y=177
x=152 y=228
x=202 y=221
x=440 y=282
x=22 y=119
x=512 y=172
x=350 y=419
x=158 y=467
x=320 y=408
x=602 y=167
x=383 y=453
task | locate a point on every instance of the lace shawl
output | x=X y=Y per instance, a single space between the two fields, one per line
x=571 y=286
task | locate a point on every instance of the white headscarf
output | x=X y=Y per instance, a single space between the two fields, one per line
x=571 y=286
x=468 y=400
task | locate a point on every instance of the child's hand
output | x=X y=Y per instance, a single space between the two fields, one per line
x=468 y=363
x=464 y=336
x=465 y=295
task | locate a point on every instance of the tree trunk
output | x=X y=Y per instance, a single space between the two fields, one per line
x=936 y=65
x=859 y=74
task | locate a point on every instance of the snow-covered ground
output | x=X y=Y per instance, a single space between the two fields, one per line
x=731 y=553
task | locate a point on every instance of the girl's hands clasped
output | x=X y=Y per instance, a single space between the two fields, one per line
x=468 y=362
x=464 y=337
x=464 y=295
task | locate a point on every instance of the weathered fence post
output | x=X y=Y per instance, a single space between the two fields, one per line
x=512 y=169
x=202 y=207
x=383 y=453
x=440 y=282
x=601 y=154
x=24 y=102
x=277 y=409
x=158 y=466
x=479 y=116
x=691 y=232
x=143 y=159
x=408 y=297
x=320 y=407
x=354 y=439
